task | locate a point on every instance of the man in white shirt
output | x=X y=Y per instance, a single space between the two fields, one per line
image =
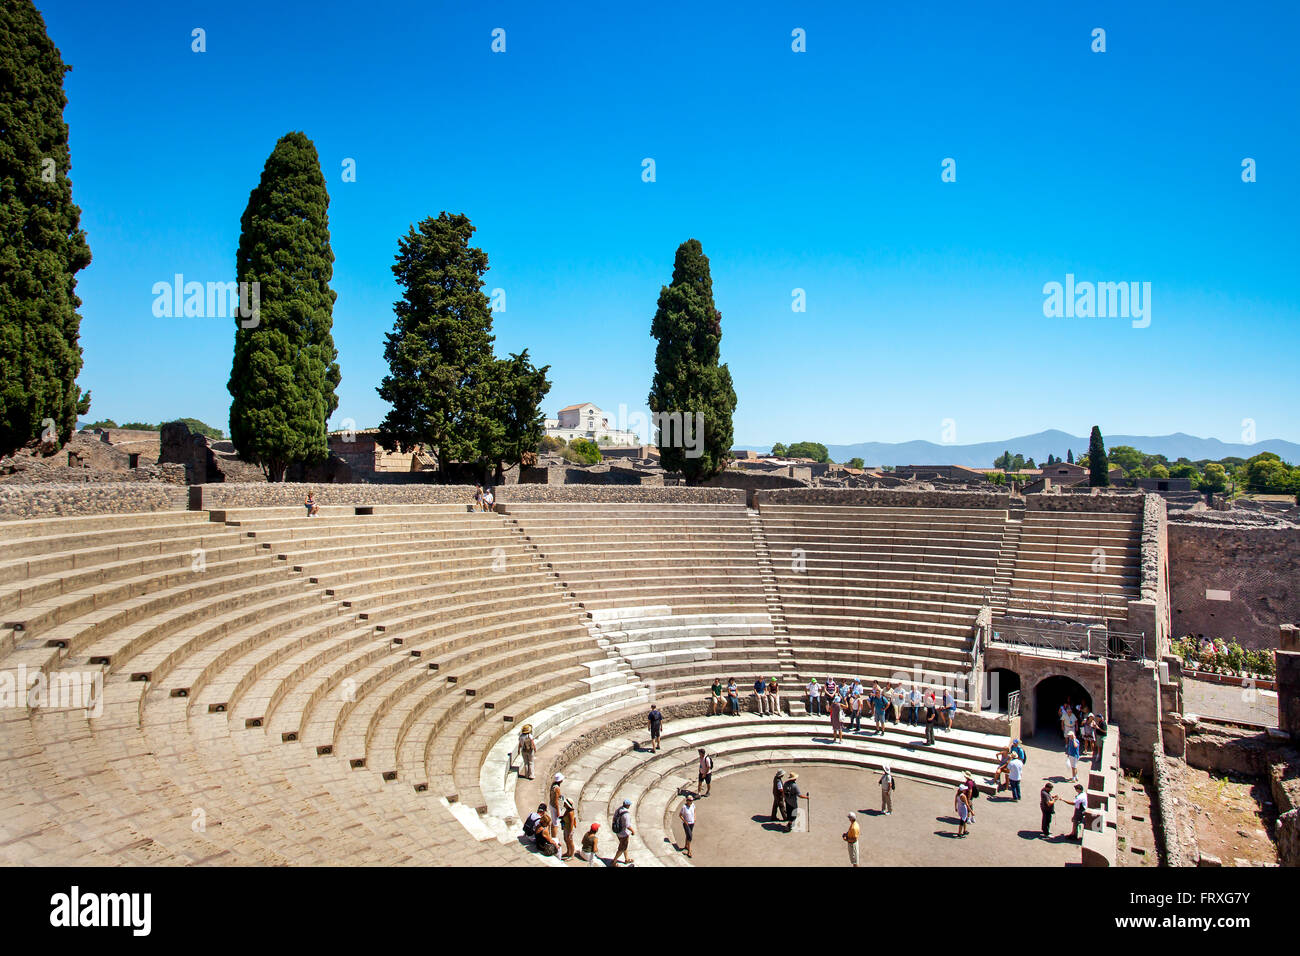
x=1015 y=771
x=687 y=815
x=1080 y=812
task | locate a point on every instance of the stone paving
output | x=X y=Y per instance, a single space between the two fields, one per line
x=733 y=827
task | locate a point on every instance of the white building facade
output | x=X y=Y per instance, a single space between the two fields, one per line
x=588 y=421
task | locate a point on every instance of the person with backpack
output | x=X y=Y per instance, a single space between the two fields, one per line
x=778 y=796
x=527 y=749
x=622 y=827
x=656 y=727
x=542 y=825
x=887 y=787
x=1017 y=751
x=706 y=774
x=961 y=805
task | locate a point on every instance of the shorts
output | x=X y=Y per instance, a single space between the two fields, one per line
x=706 y=778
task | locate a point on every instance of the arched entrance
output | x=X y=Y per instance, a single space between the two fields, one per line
x=1049 y=695
x=1002 y=682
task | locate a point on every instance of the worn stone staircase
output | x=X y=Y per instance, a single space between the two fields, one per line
x=772 y=595
x=1000 y=589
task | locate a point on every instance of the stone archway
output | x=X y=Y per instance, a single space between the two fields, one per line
x=1002 y=682
x=1049 y=694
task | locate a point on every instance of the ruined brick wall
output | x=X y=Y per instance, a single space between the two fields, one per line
x=282 y=494
x=1259 y=567
x=882 y=498
x=90 y=498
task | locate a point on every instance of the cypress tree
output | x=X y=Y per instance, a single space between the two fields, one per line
x=285 y=369
x=689 y=379
x=446 y=389
x=42 y=245
x=1098 y=466
x=1069 y=455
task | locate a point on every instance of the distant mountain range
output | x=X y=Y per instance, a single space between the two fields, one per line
x=1053 y=442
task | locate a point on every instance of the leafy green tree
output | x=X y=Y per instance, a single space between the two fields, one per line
x=550 y=444
x=102 y=423
x=1127 y=457
x=778 y=450
x=856 y=463
x=285 y=369
x=1185 y=469
x=42 y=245
x=518 y=424
x=1098 y=466
x=447 y=390
x=1214 y=478
x=809 y=449
x=580 y=451
x=440 y=350
x=690 y=379
x=1159 y=471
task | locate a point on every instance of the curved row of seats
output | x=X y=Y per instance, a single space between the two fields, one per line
x=676 y=590
x=874 y=592
x=1076 y=566
x=624 y=768
x=309 y=690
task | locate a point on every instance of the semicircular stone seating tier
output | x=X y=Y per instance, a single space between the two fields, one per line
x=623 y=768
x=268 y=688
x=274 y=689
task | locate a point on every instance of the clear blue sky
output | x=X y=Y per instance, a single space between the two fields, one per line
x=817 y=170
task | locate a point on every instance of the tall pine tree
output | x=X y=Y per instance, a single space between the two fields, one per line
x=1098 y=466
x=42 y=245
x=689 y=379
x=447 y=390
x=285 y=369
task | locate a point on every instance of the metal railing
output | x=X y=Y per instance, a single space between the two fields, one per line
x=1095 y=641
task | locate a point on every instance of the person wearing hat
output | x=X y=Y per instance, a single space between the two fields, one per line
x=850 y=836
x=961 y=806
x=792 y=795
x=1047 y=803
x=590 y=845
x=886 y=790
x=778 y=796
x=527 y=750
x=622 y=827
x=568 y=823
x=554 y=798
x=687 y=815
x=1072 y=754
